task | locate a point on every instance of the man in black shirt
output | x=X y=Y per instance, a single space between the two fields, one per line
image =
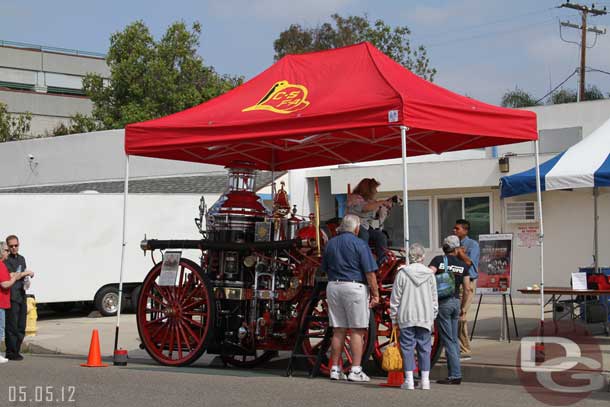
x=16 y=316
x=450 y=309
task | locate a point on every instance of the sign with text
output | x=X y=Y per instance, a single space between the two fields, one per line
x=495 y=264
x=169 y=268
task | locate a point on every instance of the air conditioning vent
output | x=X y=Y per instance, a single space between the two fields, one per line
x=521 y=212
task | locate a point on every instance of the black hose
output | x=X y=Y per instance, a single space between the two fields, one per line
x=203 y=244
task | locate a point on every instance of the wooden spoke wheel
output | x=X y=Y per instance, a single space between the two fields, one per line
x=315 y=333
x=175 y=321
x=384 y=330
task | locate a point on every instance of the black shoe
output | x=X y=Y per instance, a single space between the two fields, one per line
x=449 y=381
x=14 y=357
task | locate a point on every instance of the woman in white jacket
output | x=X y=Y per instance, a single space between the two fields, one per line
x=413 y=309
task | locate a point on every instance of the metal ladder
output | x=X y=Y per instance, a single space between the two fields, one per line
x=297 y=351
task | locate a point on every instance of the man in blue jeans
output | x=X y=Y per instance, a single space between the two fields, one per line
x=449 y=308
x=468 y=253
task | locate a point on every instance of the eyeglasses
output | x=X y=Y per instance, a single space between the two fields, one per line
x=13 y=245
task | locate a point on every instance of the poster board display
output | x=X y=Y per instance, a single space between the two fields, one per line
x=495 y=263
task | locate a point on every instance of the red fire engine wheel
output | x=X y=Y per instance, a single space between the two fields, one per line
x=315 y=334
x=384 y=329
x=174 y=321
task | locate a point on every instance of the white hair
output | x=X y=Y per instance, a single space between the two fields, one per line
x=417 y=253
x=349 y=223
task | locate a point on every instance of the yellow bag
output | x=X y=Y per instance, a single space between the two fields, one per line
x=392 y=359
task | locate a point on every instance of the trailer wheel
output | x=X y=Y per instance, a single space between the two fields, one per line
x=175 y=321
x=106 y=301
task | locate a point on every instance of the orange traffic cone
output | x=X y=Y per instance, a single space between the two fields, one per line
x=95 y=358
x=395 y=379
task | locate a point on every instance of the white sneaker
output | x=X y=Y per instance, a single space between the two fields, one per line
x=358 y=377
x=407 y=385
x=3 y=359
x=337 y=375
x=425 y=384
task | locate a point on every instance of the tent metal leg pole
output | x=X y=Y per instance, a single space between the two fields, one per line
x=405 y=194
x=541 y=225
x=595 y=230
x=125 y=193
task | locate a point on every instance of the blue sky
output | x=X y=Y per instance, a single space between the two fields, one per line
x=480 y=47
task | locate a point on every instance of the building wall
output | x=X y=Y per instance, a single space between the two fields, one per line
x=96 y=156
x=46 y=84
x=588 y=115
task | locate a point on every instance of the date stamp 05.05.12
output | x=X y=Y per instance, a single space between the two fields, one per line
x=43 y=395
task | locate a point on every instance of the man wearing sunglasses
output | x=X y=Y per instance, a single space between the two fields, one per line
x=16 y=315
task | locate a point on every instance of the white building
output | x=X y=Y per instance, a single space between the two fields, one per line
x=47 y=82
x=466 y=185
x=441 y=189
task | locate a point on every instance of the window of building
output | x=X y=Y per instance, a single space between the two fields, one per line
x=475 y=209
x=419 y=223
x=558 y=140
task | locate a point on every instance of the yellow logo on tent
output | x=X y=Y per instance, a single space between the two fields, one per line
x=283 y=97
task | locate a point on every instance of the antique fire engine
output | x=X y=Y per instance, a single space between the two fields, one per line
x=256 y=281
x=244 y=299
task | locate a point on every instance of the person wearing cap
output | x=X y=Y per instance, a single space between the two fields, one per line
x=451 y=308
x=413 y=309
x=469 y=253
x=350 y=268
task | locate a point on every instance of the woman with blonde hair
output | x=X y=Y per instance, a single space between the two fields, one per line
x=362 y=203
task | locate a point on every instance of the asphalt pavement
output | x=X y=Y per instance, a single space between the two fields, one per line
x=58 y=380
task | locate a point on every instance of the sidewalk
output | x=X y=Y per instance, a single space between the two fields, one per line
x=492 y=361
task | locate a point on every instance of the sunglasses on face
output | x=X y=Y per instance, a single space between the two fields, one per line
x=13 y=246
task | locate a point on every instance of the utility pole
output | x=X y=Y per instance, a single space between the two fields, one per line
x=584 y=12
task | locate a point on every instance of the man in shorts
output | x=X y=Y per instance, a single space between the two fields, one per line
x=351 y=268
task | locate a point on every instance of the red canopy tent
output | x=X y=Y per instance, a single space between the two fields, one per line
x=344 y=105
x=332 y=107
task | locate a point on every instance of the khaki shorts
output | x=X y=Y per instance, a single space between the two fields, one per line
x=348 y=304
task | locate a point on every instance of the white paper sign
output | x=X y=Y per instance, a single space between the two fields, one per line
x=169 y=269
x=579 y=281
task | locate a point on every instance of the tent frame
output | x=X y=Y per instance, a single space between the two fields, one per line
x=405 y=198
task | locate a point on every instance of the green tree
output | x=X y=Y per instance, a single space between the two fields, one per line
x=592 y=92
x=518 y=98
x=344 y=31
x=150 y=79
x=13 y=126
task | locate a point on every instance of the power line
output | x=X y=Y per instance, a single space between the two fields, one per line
x=498 y=21
x=585 y=11
x=493 y=34
x=558 y=86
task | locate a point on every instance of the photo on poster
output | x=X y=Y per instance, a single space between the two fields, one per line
x=495 y=264
x=169 y=268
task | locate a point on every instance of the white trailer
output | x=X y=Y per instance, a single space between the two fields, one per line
x=72 y=242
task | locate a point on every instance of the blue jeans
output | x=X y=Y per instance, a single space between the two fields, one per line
x=448 y=316
x=379 y=240
x=1 y=324
x=409 y=338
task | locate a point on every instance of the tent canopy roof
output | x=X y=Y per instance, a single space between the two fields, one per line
x=331 y=107
x=585 y=164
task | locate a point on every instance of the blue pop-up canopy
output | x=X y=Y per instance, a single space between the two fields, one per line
x=585 y=164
